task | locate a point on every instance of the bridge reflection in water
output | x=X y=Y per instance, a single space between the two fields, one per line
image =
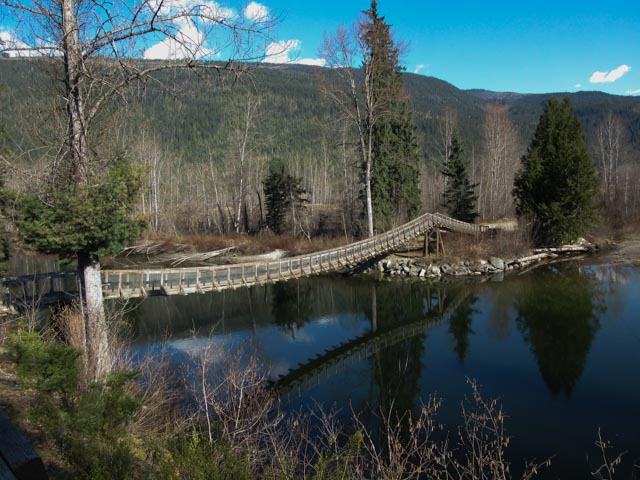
x=441 y=306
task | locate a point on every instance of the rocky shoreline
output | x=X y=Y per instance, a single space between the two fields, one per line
x=434 y=269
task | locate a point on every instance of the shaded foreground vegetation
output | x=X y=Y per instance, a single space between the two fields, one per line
x=140 y=423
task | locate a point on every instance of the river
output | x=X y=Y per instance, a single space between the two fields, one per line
x=559 y=346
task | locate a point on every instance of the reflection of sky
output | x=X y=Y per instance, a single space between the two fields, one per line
x=277 y=349
x=287 y=350
x=607 y=395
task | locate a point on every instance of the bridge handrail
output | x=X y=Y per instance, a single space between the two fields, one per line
x=224 y=276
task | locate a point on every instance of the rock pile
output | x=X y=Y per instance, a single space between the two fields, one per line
x=424 y=268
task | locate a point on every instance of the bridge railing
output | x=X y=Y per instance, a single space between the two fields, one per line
x=126 y=283
x=198 y=279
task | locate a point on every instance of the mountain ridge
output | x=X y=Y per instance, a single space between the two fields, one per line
x=201 y=118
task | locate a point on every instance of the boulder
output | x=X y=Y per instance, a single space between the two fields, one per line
x=446 y=269
x=497 y=263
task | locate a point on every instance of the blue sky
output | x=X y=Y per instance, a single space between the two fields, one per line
x=528 y=46
x=522 y=46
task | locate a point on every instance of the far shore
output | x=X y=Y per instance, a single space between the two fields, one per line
x=623 y=251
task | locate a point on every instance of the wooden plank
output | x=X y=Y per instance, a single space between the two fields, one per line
x=327 y=260
x=17 y=454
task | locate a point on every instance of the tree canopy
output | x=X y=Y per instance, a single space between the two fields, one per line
x=283 y=192
x=459 y=197
x=91 y=219
x=395 y=173
x=554 y=190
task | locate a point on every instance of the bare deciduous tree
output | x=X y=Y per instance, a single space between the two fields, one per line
x=498 y=167
x=356 y=100
x=609 y=146
x=94 y=49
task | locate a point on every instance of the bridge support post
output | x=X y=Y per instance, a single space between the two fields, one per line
x=426 y=244
x=439 y=243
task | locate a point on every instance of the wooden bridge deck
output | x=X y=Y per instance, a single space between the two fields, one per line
x=171 y=281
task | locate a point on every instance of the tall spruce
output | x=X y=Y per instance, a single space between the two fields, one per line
x=459 y=198
x=395 y=176
x=4 y=237
x=555 y=188
x=283 y=194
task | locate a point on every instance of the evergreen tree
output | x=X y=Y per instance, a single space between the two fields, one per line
x=459 y=197
x=395 y=175
x=88 y=220
x=4 y=240
x=555 y=188
x=282 y=192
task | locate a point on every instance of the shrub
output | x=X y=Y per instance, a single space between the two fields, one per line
x=87 y=424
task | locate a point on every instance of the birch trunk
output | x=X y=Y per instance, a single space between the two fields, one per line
x=95 y=324
x=96 y=340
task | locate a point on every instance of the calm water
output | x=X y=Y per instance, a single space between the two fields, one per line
x=559 y=345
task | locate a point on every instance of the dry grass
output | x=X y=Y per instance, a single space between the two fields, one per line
x=244 y=244
x=500 y=244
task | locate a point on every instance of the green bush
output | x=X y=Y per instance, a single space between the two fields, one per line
x=196 y=458
x=88 y=424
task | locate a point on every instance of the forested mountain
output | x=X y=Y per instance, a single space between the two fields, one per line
x=590 y=107
x=199 y=116
x=209 y=140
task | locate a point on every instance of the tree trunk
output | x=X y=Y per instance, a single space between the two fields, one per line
x=96 y=332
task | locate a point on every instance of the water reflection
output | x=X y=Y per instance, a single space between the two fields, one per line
x=460 y=326
x=292 y=305
x=559 y=314
x=558 y=345
x=556 y=312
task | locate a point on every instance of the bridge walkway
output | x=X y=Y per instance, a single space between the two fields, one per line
x=171 y=281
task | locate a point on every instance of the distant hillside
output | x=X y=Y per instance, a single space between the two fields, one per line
x=590 y=107
x=202 y=118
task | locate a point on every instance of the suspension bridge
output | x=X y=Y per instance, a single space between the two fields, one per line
x=57 y=286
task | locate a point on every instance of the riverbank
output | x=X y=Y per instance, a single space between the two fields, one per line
x=476 y=258
x=624 y=251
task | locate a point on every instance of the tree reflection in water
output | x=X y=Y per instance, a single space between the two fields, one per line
x=460 y=326
x=292 y=305
x=558 y=315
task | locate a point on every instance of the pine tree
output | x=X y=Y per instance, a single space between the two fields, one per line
x=459 y=197
x=555 y=188
x=282 y=192
x=395 y=189
x=4 y=240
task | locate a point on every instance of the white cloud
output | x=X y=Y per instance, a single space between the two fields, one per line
x=255 y=12
x=577 y=85
x=609 y=77
x=317 y=62
x=188 y=42
x=285 y=51
x=633 y=92
x=212 y=10
x=12 y=47
x=188 y=39
x=278 y=52
x=420 y=67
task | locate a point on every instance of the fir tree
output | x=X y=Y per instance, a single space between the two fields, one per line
x=459 y=197
x=4 y=237
x=555 y=188
x=89 y=220
x=282 y=192
x=395 y=189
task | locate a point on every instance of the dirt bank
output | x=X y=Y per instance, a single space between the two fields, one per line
x=623 y=251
